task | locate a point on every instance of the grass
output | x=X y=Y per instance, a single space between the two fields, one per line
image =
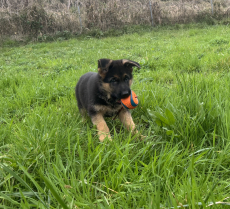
x=50 y=159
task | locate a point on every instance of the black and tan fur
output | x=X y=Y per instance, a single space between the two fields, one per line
x=99 y=94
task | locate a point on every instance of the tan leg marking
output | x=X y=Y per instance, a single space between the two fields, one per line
x=126 y=118
x=103 y=130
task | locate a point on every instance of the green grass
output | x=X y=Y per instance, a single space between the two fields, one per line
x=49 y=158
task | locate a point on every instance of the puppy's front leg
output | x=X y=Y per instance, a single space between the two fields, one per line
x=103 y=130
x=126 y=118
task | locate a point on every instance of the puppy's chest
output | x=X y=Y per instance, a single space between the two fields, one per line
x=107 y=111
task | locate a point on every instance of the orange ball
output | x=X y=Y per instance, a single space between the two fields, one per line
x=131 y=101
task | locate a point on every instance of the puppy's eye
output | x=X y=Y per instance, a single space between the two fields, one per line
x=113 y=80
x=126 y=78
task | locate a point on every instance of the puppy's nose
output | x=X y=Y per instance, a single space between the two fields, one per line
x=125 y=94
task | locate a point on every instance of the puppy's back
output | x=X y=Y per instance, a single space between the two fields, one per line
x=85 y=90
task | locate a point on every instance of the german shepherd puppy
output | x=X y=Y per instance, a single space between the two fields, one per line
x=99 y=94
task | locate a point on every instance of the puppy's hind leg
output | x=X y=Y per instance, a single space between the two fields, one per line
x=82 y=111
x=83 y=114
x=103 y=130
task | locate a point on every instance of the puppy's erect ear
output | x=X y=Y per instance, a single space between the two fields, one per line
x=130 y=64
x=103 y=66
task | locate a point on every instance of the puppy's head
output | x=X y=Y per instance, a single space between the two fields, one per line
x=116 y=77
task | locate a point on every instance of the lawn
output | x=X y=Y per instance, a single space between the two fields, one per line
x=49 y=158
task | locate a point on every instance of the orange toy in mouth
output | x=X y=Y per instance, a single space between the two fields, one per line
x=131 y=101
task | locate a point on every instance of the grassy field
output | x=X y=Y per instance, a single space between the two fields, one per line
x=50 y=159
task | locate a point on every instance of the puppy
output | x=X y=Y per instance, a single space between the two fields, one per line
x=99 y=94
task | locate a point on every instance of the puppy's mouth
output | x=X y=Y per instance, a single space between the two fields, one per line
x=115 y=99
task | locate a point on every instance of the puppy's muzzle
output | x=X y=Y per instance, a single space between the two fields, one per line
x=125 y=94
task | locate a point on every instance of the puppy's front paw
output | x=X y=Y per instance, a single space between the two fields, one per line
x=142 y=137
x=103 y=136
x=139 y=136
x=103 y=130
